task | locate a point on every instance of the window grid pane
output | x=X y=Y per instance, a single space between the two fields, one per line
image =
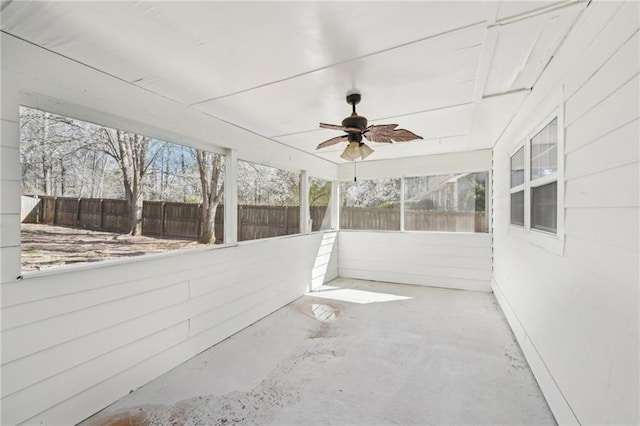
x=517 y=208
x=544 y=151
x=544 y=207
x=517 y=168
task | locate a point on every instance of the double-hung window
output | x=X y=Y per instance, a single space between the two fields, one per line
x=543 y=178
x=536 y=206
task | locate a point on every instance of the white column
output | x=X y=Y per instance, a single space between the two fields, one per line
x=231 y=197
x=10 y=184
x=304 y=203
x=402 y=204
x=335 y=204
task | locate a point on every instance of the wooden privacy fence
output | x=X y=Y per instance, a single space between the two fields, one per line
x=168 y=219
x=184 y=220
x=414 y=220
x=429 y=220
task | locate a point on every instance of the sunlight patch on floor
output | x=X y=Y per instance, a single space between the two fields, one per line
x=355 y=296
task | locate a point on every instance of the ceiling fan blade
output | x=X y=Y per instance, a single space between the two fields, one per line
x=336 y=127
x=332 y=141
x=331 y=126
x=387 y=133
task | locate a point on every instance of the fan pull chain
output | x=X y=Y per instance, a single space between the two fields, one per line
x=355 y=179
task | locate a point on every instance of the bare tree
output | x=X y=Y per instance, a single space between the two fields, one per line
x=131 y=152
x=210 y=168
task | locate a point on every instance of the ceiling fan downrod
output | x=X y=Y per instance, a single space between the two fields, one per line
x=355 y=120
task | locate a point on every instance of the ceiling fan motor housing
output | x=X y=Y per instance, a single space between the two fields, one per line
x=355 y=120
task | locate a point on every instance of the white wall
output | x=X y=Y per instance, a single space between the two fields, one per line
x=437 y=259
x=575 y=313
x=76 y=339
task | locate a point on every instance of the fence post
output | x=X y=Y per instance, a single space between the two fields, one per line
x=101 y=213
x=40 y=210
x=55 y=210
x=78 y=212
x=199 y=223
x=286 y=220
x=163 y=218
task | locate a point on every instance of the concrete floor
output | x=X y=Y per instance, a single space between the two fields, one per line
x=355 y=353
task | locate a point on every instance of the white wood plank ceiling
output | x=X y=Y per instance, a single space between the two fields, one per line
x=453 y=72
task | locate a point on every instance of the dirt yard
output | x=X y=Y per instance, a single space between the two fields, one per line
x=45 y=246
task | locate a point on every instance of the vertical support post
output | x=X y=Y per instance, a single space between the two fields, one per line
x=335 y=204
x=304 y=203
x=231 y=197
x=10 y=178
x=402 y=204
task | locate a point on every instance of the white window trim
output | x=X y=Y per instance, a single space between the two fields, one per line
x=516 y=188
x=553 y=242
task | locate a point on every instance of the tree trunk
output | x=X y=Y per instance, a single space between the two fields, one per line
x=209 y=166
x=134 y=201
x=209 y=223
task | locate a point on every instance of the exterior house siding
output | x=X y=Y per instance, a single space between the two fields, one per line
x=575 y=312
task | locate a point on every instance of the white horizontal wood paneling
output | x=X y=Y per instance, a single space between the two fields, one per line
x=612 y=112
x=615 y=149
x=576 y=314
x=83 y=348
x=92 y=399
x=451 y=260
x=34 y=337
x=621 y=68
x=47 y=393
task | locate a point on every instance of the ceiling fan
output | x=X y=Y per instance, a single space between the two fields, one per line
x=355 y=127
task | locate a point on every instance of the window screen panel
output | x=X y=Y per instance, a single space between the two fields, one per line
x=544 y=207
x=544 y=151
x=517 y=168
x=372 y=204
x=517 y=208
x=319 y=202
x=446 y=203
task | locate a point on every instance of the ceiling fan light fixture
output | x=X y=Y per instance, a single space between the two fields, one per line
x=365 y=150
x=351 y=152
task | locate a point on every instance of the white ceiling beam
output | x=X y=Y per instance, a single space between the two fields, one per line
x=484 y=65
x=537 y=12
